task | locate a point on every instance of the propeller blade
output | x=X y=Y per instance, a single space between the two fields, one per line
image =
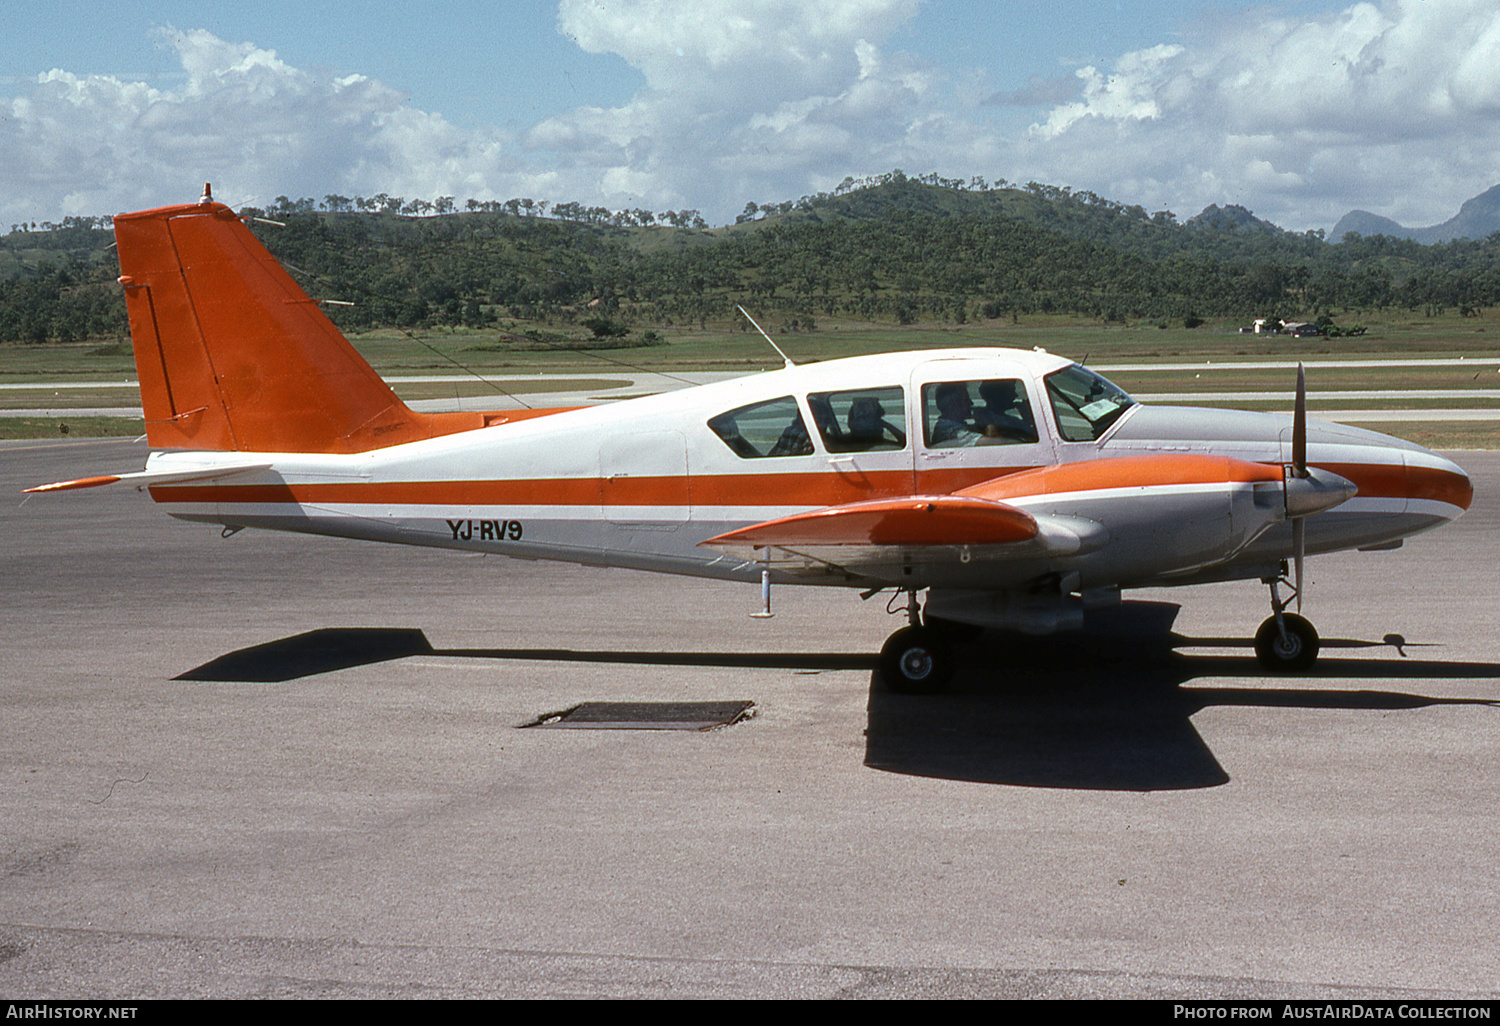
x=1299 y=549
x=1299 y=426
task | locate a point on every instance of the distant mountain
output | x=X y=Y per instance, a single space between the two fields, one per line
x=1362 y=222
x=1231 y=218
x=1476 y=219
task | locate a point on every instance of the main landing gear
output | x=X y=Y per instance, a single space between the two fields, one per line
x=917 y=659
x=1286 y=642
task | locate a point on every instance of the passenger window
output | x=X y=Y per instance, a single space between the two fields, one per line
x=774 y=428
x=861 y=420
x=963 y=413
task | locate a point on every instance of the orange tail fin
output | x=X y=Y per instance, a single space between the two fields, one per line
x=233 y=355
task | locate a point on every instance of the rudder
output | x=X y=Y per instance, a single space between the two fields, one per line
x=233 y=355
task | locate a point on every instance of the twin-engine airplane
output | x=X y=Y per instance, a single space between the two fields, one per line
x=1016 y=489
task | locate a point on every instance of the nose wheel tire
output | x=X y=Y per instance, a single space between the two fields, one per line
x=1296 y=650
x=916 y=660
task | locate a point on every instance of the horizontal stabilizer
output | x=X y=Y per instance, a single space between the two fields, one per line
x=147 y=478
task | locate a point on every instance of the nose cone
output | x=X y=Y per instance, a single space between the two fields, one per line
x=1437 y=485
x=1387 y=470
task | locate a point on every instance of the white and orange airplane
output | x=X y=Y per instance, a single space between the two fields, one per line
x=1014 y=489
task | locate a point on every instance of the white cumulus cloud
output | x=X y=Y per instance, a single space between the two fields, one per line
x=242 y=119
x=762 y=99
x=1389 y=105
x=1394 y=107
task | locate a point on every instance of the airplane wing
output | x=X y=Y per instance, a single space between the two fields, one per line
x=146 y=478
x=890 y=539
x=1203 y=509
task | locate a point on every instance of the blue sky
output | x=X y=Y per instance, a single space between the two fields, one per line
x=1300 y=111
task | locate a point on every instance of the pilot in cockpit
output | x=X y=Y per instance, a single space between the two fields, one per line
x=1006 y=415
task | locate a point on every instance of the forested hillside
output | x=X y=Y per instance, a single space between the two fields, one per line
x=894 y=249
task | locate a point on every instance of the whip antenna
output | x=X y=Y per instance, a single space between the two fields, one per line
x=768 y=338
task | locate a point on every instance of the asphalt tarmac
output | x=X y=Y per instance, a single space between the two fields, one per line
x=282 y=766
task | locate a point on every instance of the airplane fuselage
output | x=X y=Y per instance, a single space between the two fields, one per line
x=644 y=483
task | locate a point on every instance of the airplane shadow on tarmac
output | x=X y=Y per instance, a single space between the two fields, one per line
x=1106 y=710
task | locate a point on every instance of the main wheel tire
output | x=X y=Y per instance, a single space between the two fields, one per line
x=1297 y=651
x=915 y=661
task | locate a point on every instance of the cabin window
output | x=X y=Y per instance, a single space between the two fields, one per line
x=990 y=412
x=861 y=420
x=774 y=428
x=1084 y=403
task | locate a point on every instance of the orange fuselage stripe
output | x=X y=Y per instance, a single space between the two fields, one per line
x=1439 y=485
x=719 y=490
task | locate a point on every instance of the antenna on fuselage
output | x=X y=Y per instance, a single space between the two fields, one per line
x=768 y=338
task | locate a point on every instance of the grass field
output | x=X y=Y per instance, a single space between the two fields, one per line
x=739 y=348
x=71 y=427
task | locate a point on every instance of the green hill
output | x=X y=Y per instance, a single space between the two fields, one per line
x=894 y=248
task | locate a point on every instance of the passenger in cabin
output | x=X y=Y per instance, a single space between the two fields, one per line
x=794 y=441
x=867 y=424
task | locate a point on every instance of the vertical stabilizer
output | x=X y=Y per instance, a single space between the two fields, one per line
x=233 y=355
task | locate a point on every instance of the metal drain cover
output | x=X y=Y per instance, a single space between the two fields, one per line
x=647 y=716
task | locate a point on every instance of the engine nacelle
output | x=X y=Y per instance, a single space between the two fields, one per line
x=1042 y=612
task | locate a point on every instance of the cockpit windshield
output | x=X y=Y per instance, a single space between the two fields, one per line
x=1084 y=403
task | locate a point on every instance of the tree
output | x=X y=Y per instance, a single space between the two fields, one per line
x=603 y=327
